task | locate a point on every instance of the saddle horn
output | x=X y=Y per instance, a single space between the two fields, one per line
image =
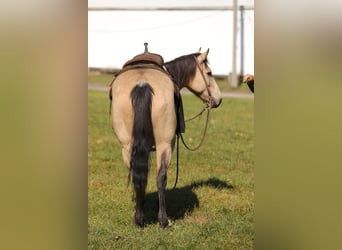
x=146 y=49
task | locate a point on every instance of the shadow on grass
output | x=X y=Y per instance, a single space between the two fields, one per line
x=179 y=201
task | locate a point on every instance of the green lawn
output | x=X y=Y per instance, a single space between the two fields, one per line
x=213 y=204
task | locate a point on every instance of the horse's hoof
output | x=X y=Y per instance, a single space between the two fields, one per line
x=164 y=223
x=139 y=222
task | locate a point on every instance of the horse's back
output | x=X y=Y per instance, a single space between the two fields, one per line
x=126 y=81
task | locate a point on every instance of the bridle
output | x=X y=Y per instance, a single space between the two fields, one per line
x=208 y=108
x=207 y=85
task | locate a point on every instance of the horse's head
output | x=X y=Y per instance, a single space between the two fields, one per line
x=192 y=71
x=203 y=83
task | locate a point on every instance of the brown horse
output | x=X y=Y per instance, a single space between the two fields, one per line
x=144 y=115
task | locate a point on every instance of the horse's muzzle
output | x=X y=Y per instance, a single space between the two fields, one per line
x=215 y=102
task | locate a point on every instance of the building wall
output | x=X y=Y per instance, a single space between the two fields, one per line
x=116 y=36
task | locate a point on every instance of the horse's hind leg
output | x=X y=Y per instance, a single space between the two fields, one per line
x=126 y=155
x=163 y=161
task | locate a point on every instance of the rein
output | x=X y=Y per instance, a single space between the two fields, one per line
x=208 y=108
x=185 y=145
x=204 y=131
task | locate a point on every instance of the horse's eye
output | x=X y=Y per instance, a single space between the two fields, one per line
x=209 y=73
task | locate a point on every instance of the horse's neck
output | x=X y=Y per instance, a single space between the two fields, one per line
x=182 y=70
x=178 y=77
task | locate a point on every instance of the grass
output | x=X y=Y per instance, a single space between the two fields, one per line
x=103 y=79
x=213 y=204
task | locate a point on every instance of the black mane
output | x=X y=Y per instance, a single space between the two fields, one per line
x=182 y=69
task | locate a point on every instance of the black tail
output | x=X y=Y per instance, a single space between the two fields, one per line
x=143 y=138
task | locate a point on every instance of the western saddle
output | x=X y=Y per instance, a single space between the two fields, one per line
x=145 y=60
x=155 y=61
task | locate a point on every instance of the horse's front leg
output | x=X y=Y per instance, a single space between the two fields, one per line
x=163 y=161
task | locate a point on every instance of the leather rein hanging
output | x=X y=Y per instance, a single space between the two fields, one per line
x=208 y=107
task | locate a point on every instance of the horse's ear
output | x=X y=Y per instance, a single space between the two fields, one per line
x=203 y=56
x=199 y=50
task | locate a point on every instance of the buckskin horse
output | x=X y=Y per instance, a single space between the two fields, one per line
x=145 y=102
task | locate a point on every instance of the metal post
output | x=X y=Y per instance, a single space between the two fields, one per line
x=233 y=79
x=242 y=8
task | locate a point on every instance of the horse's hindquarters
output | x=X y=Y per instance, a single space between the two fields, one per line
x=143 y=112
x=163 y=110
